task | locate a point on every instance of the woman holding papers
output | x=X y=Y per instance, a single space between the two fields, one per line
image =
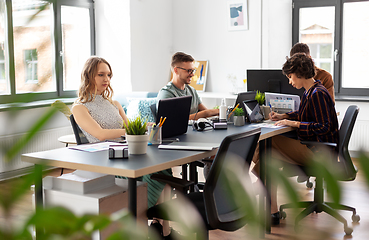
x=100 y=118
x=316 y=119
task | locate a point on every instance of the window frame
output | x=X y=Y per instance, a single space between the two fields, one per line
x=57 y=63
x=338 y=36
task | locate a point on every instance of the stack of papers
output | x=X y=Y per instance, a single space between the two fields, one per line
x=94 y=147
x=190 y=146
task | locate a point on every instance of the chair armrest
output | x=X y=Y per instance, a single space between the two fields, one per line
x=177 y=183
x=312 y=143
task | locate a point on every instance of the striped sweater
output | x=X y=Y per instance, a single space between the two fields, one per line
x=317 y=116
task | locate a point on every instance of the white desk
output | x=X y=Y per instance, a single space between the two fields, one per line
x=138 y=165
x=67 y=139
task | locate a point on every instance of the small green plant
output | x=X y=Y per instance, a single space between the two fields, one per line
x=239 y=112
x=260 y=97
x=136 y=126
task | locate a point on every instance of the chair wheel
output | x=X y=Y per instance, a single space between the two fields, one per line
x=309 y=185
x=348 y=230
x=283 y=214
x=355 y=218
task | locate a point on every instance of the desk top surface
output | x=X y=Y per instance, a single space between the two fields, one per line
x=138 y=165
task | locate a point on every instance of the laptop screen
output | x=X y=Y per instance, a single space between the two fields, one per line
x=253 y=111
x=177 y=112
x=243 y=96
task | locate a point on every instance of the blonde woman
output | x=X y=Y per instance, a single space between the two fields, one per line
x=100 y=118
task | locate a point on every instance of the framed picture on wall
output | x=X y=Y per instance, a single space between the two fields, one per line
x=199 y=79
x=237 y=15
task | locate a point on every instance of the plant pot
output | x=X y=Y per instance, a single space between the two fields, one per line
x=239 y=120
x=265 y=110
x=137 y=144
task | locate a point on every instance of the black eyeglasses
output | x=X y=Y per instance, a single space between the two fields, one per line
x=189 y=71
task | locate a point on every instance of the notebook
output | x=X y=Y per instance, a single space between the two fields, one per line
x=177 y=112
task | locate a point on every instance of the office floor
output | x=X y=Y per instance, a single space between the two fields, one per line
x=315 y=226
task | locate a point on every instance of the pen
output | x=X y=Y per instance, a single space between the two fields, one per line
x=229 y=115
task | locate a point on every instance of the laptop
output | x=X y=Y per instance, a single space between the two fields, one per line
x=253 y=111
x=243 y=96
x=177 y=112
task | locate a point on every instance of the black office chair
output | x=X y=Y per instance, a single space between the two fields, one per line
x=347 y=173
x=78 y=134
x=80 y=137
x=212 y=204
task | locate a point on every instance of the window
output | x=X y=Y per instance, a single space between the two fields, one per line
x=30 y=62
x=43 y=44
x=337 y=34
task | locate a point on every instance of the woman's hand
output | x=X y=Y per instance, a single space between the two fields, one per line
x=289 y=123
x=276 y=116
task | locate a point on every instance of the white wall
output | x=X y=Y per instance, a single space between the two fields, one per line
x=113 y=40
x=151 y=39
x=201 y=30
x=277 y=32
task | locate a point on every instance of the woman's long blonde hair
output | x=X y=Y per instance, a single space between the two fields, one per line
x=87 y=90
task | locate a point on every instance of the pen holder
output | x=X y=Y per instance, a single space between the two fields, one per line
x=155 y=136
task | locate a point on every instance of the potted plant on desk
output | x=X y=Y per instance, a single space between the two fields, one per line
x=136 y=136
x=239 y=117
x=260 y=97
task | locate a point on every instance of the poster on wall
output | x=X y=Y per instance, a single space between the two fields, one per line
x=237 y=15
x=199 y=79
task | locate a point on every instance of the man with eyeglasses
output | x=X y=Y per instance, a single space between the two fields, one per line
x=183 y=69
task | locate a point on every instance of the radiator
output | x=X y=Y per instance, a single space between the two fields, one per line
x=360 y=136
x=44 y=140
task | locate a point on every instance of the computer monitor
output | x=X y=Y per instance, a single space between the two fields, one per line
x=267 y=80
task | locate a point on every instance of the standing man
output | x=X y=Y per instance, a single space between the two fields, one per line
x=321 y=74
x=183 y=69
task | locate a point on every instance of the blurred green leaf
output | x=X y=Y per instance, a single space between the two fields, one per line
x=323 y=168
x=237 y=184
x=17 y=190
x=25 y=139
x=62 y=107
x=129 y=227
x=60 y=220
x=364 y=166
x=280 y=178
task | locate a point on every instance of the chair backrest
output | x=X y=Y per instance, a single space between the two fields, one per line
x=220 y=213
x=80 y=137
x=153 y=110
x=345 y=132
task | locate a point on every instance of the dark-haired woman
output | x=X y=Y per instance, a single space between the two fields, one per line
x=316 y=119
